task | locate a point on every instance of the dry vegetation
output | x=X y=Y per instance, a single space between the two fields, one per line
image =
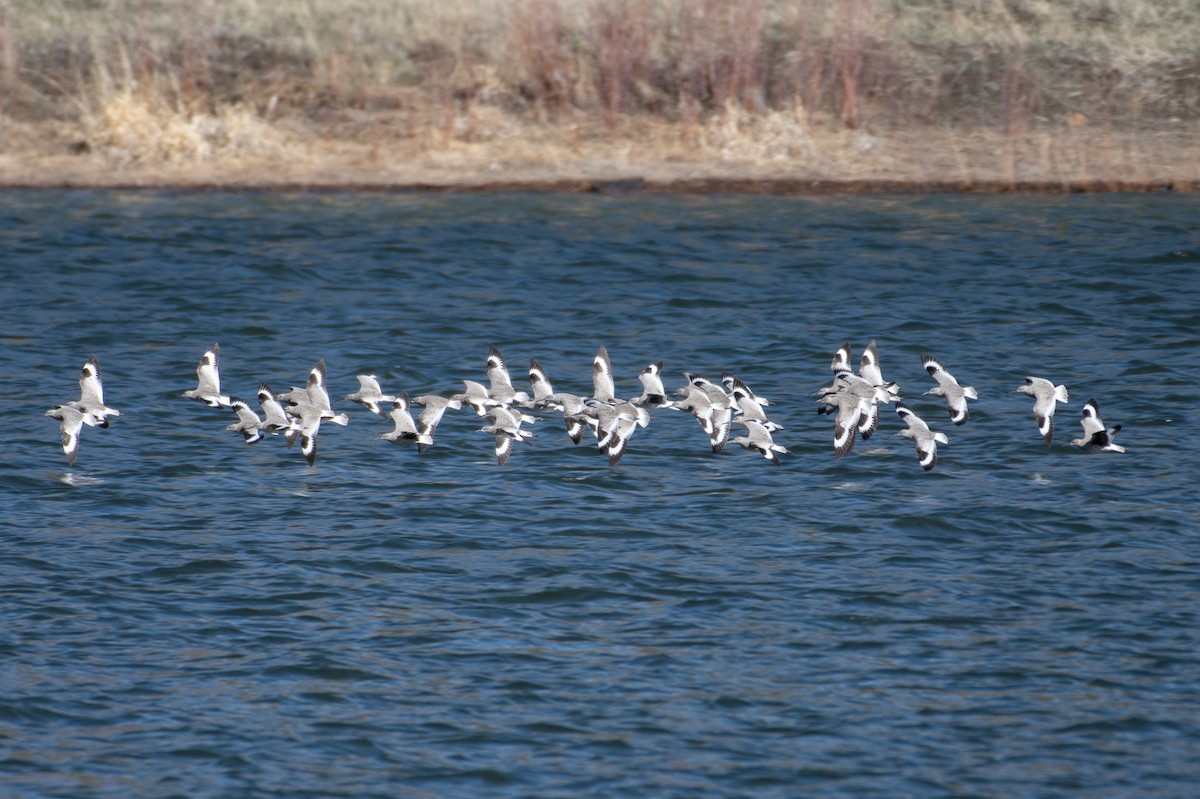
x=385 y=92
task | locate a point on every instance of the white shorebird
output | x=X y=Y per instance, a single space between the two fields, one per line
x=315 y=394
x=435 y=407
x=702 y=382
x=654 y=394
x=405 y=429
x=758 y=438
x=275 y=419
x=839 y=365
x=539 y=383
x=476 y=396
x=869 y=370
x=306 y=423
x=208 y=380
x=613 y=425
x=870 y=396
x=841 y=359
x=502 y=390
x=1045 y=394
x=318 y=395
x=592 y=414
x=629 y=418
x=71 y=425
x=1095 y=436
x=948 y=387
x=248 y=423
x=371 y=396
x=709 y=404
x=722 y=414
x=294 y=396
x=572 y=407
x=865 y=420
x=925 y=439
x=748 y=407
x=603 y=386
x=506 y=427
x=91 y=396
x=731 y=382
x=849 y=420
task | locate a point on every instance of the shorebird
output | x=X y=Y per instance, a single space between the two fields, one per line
x=849 y=419
x=948 y=387
x=476 y=396
x=91 y=396
x=925 y=439
x=294 y=396
x=613 y=425
x=248 y=423
x=539 y=383
x=722 y=415
x=731 y=382
x=71 y=426
x=208 y=377
x=866 y=419
x=275 y=419
x=306 y=423
x=701 y=382
x=839 y=365
x=371 y=395
x=1095 y=436
x=506 y=427
x=435 y=406
x=709 y=404
x=629 y=418
x=841 y=359
x=502 y=390
x=405 y=429
x=315 y=394
x=758 y=438
x=603 y=387
x=748 y=406
x=869 y=370
x=572 y=407
x=654 y=394
x=1045 y=394
x=318 y=395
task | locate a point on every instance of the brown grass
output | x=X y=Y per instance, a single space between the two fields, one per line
x=379 y=92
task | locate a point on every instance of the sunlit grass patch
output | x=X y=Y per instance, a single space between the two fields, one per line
x=128 y=130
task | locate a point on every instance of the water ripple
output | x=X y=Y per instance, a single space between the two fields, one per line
x=190 y=616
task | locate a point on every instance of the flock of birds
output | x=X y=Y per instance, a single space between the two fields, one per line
x=853 y=399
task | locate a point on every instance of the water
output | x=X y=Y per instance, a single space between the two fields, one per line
x=187 y=616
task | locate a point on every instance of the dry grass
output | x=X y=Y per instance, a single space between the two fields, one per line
x=128 y=130
x=963 y=92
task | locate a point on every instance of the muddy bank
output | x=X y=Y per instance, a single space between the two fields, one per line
x=669 y=159
x=792 y=187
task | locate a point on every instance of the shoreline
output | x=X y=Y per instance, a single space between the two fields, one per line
x=642 y=157
x=795 y=187
x=764 y=97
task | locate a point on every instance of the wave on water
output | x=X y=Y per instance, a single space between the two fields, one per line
x=189 y=615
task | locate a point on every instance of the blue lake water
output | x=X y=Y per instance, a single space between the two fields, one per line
x=185 y=615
